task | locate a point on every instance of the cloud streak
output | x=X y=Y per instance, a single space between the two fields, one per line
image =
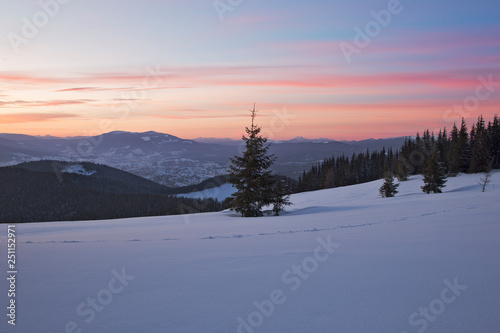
x=51 y=103
x=33 y=117
x=278 y=76
x=271 y=76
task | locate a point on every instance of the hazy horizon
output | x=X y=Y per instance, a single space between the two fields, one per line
x=204 y=137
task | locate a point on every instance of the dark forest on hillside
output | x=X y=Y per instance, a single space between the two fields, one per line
x=30 y=193
x=460 y=150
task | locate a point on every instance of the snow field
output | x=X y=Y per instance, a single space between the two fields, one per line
x=413 y=263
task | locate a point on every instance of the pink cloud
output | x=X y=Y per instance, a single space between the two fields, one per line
x=82 y=89
x=96 y=89
x=274 y=76
x=441 y=79
x=200 y=116
x=21 y=103
x=29 y=79
x=32 y=117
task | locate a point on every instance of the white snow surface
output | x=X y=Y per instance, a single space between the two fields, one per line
x=78 y=169
x=413 y=263
x=220 y=193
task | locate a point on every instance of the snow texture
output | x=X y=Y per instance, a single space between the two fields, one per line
x=339 y=260
x=78 y=169
x=220 y=193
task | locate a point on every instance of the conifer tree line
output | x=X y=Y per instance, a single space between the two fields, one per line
x=344 y=171
x=459 y=151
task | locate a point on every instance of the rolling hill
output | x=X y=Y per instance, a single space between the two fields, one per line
x=54 y=191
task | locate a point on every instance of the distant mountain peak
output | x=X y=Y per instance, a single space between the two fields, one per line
x=148 y=134
x=117 y=132
x=301 y=139
x=155 y=133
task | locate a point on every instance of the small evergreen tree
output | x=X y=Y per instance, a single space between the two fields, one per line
x=252 y=176
x=486 y=179
x=388 y=189
x=434 y=175
x=281 y=196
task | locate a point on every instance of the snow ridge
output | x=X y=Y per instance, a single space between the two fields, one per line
x=78 y=169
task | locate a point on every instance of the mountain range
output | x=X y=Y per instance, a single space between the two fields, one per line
x=173 y=161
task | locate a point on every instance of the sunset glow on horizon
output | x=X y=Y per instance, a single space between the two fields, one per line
x=345 y=71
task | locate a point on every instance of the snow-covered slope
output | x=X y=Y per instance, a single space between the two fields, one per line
x=341 y=260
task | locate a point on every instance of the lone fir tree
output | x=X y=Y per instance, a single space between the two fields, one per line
x=434 y=175
x=389 y=188
x=252 y=176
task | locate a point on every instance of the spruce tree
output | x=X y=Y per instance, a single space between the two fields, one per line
x=281 y=195
x=494 y=134
x=388 y=189
x=464 y=147
x=480 y=143
x=434 y=175
x=402 y=169
x=251 y=174
x=454 y=154
x=443 y=146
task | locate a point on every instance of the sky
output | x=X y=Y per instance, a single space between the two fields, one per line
x=345 y=70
